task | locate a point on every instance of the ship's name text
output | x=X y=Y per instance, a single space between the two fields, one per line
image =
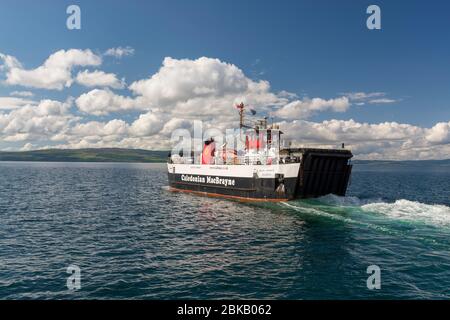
x=210 y=180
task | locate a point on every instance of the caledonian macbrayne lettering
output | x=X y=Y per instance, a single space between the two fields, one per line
x=207 y=179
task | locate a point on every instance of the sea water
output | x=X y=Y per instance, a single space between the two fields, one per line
x=132 y=238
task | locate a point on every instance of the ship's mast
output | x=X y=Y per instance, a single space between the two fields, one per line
x=241 y=108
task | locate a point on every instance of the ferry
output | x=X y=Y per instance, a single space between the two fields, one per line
x=263 y=170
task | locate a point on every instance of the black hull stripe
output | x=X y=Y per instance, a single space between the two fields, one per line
x=245 y=188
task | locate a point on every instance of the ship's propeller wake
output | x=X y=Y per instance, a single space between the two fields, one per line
x=401 y=210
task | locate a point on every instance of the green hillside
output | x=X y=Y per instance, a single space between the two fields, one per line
x=86 y=155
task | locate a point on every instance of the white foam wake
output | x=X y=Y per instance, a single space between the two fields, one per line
x=331 y=199
x=332 y=216
x=316 y=212
x=435 y=214
x=412 y=211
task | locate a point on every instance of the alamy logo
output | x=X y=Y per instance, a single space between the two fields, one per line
x=74 y=20
x=374 y=20
x=74 y=280
x=374 y=280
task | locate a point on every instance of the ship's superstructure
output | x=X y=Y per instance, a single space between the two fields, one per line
x=263 y=169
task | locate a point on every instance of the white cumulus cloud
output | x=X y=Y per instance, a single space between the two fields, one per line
x=439 y=133
x=13 y=102
x=99 y=78
x=183 y=86
x=301 y=109
x=181 y=91
x=34 y=122
x=147 y=124
x=103 y=101
x=9 y=62
x=387 y=140
x=54 y=73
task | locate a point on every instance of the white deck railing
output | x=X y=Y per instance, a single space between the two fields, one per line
x=241 y=160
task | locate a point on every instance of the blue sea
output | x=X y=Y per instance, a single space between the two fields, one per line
x=134 y=239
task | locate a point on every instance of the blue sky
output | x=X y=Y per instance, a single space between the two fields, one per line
x=314 y=49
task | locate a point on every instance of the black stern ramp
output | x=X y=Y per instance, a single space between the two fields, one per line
x=323 y=171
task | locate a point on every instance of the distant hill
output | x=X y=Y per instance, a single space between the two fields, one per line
x=444 y=162
x=418 y=165
x=140 y=155
x=86 y=155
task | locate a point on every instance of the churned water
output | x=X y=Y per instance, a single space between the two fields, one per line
x=132 y=238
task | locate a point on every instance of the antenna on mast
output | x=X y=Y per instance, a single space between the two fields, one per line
x=241 y=108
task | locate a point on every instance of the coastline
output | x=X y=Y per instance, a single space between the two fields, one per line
x=121 y=155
